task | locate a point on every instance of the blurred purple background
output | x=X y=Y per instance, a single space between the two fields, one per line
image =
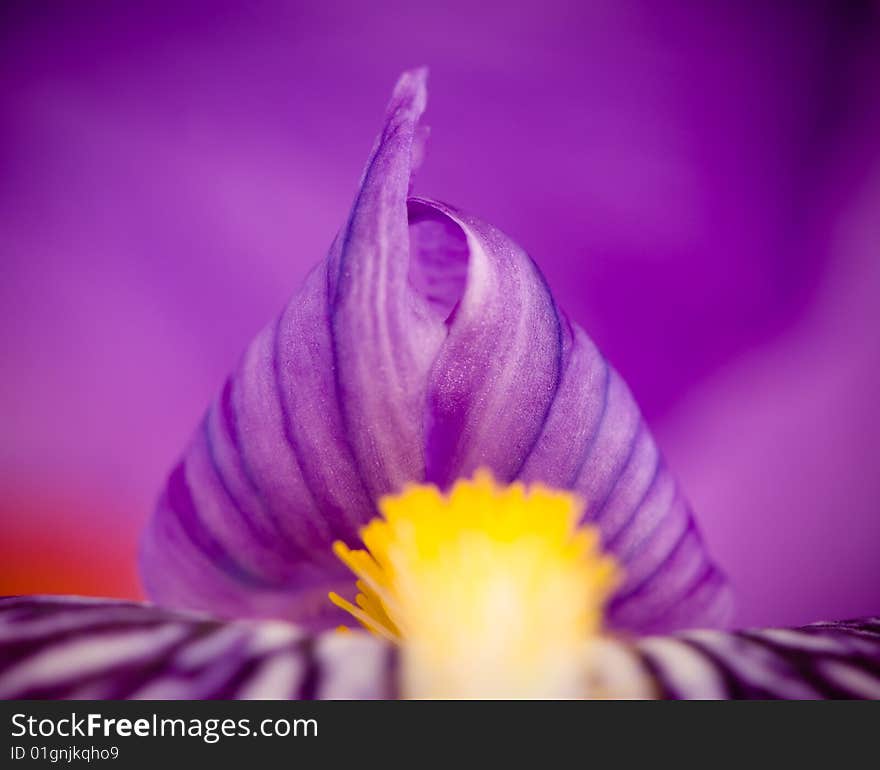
x=700 y=182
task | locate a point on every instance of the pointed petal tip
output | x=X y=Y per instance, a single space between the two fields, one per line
x=417 y=75
x=411 y=89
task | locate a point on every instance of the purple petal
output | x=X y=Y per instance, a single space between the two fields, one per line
x=66 y=647
x=823 y=660
x=425 y=346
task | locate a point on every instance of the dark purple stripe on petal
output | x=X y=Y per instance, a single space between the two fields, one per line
x=58 y=647
x=230 y=463
x=573 y=421
x=180 y=499
x=631 y=486
x=658 y=505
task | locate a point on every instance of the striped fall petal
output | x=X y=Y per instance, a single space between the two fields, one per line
x=822 y=660
x=426 y=345
x=65 y=647
x=71 y=647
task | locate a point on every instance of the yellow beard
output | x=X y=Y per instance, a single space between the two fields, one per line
x=490 y=591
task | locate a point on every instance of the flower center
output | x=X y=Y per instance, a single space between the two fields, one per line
x=490 y=591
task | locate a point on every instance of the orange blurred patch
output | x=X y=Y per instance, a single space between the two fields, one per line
x=55 y=554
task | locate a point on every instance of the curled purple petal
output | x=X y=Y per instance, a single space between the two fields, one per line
x=519 y=389
x=823 y=660
x=66 y=647
x=425 y=346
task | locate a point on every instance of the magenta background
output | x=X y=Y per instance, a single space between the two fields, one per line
x=700 y=183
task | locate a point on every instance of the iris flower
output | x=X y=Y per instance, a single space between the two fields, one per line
x=423 y=447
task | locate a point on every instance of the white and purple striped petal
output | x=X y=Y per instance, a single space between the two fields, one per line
x=426 y=345
x=66 y=647
x=822 y=660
